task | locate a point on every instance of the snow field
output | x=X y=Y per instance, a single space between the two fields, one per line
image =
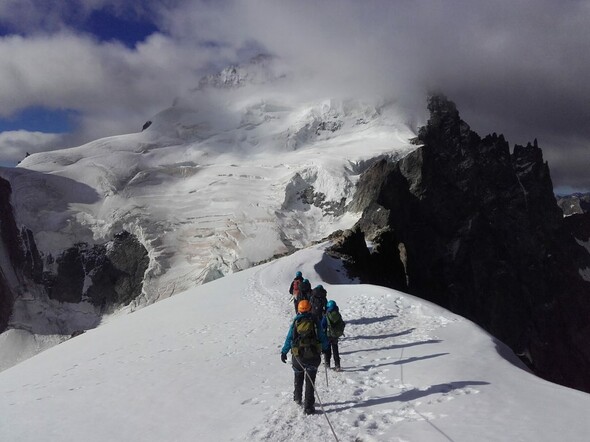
x=204 y=365
x=208 y=192
x=380 y=332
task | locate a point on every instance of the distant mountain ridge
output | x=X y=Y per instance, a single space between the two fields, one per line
x=236 y=172
x=260 y=69
x=574 y=203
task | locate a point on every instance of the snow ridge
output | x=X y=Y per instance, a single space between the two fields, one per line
x=204 y=365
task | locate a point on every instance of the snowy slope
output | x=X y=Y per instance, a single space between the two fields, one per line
x=243 y=168
x=204 y=365
x=214 y=184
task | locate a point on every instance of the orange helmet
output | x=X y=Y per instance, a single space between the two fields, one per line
x=304 y=306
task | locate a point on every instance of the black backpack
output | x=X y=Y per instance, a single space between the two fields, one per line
x=305 y=344
x=318 y=300
x=305 y=288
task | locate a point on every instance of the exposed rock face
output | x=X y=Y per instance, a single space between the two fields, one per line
x=256 y=70
x=478 y=231
x=575 y=203
x=382 y=265
x=318 y=199
x=120 y=279
x=33 y=262
x=107 y=275
x=11 y=253
x=579 y=226
x=6 y=302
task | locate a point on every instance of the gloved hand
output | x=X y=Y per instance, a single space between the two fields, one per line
x=284 y=358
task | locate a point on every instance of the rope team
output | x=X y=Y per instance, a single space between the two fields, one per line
x=314 y=331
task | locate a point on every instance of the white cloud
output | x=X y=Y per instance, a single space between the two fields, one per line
x=114 y=89
x=513 y=67
x=14 y=145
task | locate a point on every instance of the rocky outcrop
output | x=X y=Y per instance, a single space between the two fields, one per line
x=6 y=302
x=579 y=226
x=380 y=264
x=33 y=261
x=477 y=230
x=10 y=253
x=107 y=275
x=575 y=203
x=257 y=70
x=311 y=197
x=119 y=278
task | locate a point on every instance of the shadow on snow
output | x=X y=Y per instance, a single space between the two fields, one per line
x=391 y=335
x=404 y=396
x=366 y=321
x=393 y=347
x=398 y=362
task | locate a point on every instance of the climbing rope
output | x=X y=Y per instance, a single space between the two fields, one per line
x=318 y=398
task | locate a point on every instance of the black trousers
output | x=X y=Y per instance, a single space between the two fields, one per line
x=332 y=350
x=305 y=374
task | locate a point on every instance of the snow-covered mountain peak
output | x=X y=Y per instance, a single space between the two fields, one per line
x=260 y=69
x=221 y=180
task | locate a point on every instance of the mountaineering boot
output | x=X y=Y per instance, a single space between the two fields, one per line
x=336 y=361
x=336 y=357
x=309 y=400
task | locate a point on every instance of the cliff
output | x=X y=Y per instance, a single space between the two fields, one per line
x=477 y=230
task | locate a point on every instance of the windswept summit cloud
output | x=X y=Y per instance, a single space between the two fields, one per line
x=513 y=67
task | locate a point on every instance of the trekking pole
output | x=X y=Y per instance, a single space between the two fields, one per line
x=317 y=396
x=326 y=370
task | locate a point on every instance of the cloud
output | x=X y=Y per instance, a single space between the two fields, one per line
x=14 y=145
x=114 y=88
x=513 y=67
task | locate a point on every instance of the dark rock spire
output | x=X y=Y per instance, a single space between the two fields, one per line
x=482 y=235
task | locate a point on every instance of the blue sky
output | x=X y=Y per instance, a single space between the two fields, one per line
x=107 y=27
x=38 y=119
x=102 y=25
